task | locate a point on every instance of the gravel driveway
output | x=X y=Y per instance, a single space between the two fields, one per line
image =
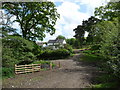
x=72 y=74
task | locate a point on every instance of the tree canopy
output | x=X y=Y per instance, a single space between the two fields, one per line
x=109 y=11
x=34 y=18
x=60 y=37
x=86 y=26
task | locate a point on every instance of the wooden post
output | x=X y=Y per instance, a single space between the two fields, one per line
x=59 y=64
x=15 y=69
x=32 y=68
x=51 y=66
x=40 y=67
x=24 y=68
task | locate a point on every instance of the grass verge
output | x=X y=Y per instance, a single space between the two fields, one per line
x=105 y=80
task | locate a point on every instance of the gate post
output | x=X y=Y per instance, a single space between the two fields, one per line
x=50 y=65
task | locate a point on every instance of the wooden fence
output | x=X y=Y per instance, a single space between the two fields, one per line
x=19 y=69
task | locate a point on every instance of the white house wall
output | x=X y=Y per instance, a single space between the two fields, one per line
x=64 y=42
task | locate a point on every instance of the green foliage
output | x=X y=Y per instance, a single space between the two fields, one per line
x=54 y=54
x=6 y=30
x=95 y=47
x=60 y=37
x=37 y=49
x=75 y=43
x=105 y=85
x=69 y=48
x=88 y=57
x=86 y=26
x=109 y=11
x=34 y=18
x=106 y=78
x=16 y=50
x=7 y=72
x=70 y=41
x=109 y=33
x=79 y=34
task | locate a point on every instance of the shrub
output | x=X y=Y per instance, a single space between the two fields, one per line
x=95 y=47
x=69 y=48
x=54 y=54
x=16 y=50
x=7 y=72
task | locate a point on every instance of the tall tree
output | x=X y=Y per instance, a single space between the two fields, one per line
x=34 y=18
x=79 y=33
x=109 y=33
x=86 y=26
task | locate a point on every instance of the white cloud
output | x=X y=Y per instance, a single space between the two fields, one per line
x=93 y=4
x=70 y=18
x=3 y=18
x=15 y=24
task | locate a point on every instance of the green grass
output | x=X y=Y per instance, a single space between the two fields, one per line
x=106 y=85
x=105 y=80
x=91 y=58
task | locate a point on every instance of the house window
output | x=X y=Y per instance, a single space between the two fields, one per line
x=50 y=44
x=56 y=43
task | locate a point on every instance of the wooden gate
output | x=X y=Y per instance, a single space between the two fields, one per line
x=31 y=68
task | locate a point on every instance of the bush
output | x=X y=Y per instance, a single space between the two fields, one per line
x=16 y=50
x=54 y=54
x=7 y=72
x=95 y=47
x=69 y=48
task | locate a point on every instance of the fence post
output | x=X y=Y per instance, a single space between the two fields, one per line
x=24 y=67
x=50 y=65
x=59 y=64
x=40 y=68
x=15 y=69
x=32 y=68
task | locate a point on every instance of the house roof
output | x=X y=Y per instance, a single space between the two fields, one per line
x=59 y=40
x=56 y=41
x=51 y=41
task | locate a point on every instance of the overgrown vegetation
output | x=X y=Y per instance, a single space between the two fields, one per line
x=104 y=39
x=106 y=79
x=54 y=54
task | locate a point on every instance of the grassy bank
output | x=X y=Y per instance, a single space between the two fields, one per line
x=106 y=80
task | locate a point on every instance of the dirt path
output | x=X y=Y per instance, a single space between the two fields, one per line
x=72 y=74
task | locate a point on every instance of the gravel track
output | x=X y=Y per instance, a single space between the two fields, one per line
x=71 y=74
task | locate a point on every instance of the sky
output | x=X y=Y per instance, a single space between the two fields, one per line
x=72 y=13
